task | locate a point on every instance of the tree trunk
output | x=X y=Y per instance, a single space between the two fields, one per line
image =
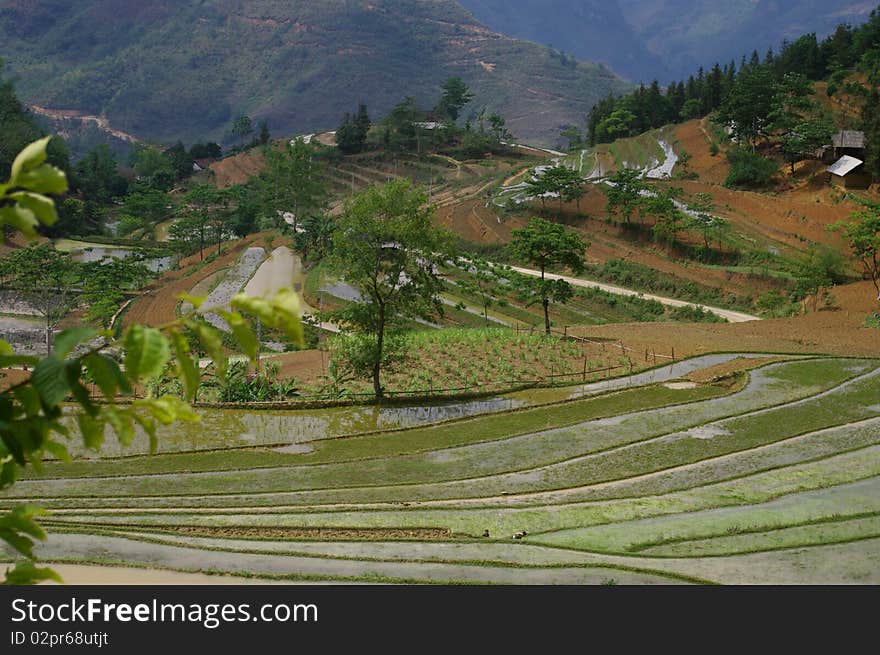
x=48 y=338
x=377 y=365
x=546 y=302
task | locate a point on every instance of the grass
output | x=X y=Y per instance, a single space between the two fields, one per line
x=858 y=499
x=834 y=531
x=571 y=519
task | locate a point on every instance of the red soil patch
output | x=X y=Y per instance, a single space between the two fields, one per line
x=238 y=169
x=695 y=139
x=837 y=332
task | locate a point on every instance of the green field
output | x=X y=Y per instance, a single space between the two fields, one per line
x=755 y=480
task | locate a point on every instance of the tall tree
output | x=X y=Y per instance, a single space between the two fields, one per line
x=544 y=244
x=863 y=235
x=292 y=182
x=455 y=96
x=749 y=105
x=625 y=193
x=45 y=279
x=242 y=127
x=387 y=247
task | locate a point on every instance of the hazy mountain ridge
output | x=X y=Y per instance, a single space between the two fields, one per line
x=666 y=39
x=170 y=70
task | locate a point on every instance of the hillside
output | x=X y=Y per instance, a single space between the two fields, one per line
x=721 y=31
x=646 y=39
x=592 y=30
x=184 y=70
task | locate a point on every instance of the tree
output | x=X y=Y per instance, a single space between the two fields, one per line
x=104 y=285
x=564 y=182
x=483 y=282
x=805 y=137
x=315 y=236
x=574 y=138
x=292 y=182
x=149 y=205
x=455 y=96
x=820 y=269
x=749 y=105
x=348 y=138
x=97 y=177
x=386 y=247
x=44 y=278
x=544 y=244
x=181 y=162
x=242 y=127
x=265 y=135
x=624 y=193
x=362 y=124
x=803 y=126
x=863 y=235
x=195 y=217
x=31 y=410
x=153 y=168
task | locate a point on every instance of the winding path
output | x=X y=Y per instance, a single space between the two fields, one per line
x=728 y=314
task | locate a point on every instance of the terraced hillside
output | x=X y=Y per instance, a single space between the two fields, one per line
x=768 y=475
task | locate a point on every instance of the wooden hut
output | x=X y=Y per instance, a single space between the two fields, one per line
x=849 y=173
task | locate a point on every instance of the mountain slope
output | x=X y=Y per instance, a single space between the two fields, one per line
x=665 y=39
x=592 y=30
x=720 y=31
x=169 y=70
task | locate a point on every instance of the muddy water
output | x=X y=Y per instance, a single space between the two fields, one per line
x=282 y=270
x=89 y=252
x=228 y=428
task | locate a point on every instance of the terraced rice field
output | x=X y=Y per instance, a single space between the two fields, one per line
x=772 y=476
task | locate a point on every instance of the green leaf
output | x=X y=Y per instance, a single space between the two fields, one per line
x=50 y=380
x=146 y=352
x=242 y=333
x=122 y=423
x=17 y=523
x=21 y=218
x=28 y=159
x=45 y=179
x=286 y=304
x=92 y=430
x=41 y=206
x=59 y=450
x=70 y=339
x=259 y=307
x=26 y=573
x=187 y=368
x=149 y=426
x=169 y=409
x=106 y=374
x=73 y=371
x=8 y=361
x=195 y=301
x=211 y=342
x=5 y=348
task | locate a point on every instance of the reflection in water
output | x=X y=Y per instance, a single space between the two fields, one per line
x=230 y=428
x=98 y=253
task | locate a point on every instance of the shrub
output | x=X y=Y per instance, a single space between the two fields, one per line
x=748 y=169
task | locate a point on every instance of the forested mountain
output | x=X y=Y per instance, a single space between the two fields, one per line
x=184 y=70
x=665 y=39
